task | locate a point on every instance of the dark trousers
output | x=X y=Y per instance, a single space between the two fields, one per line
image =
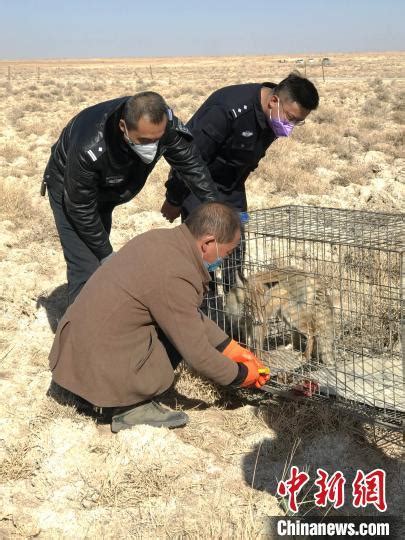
x=80 y=260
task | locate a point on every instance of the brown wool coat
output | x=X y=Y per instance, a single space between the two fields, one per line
x=106 y=348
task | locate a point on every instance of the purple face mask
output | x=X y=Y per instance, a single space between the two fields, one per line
x=281 y=128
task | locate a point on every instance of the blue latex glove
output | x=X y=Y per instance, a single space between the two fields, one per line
x=244 y=217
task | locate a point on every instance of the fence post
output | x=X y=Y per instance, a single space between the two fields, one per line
x=151 y=73
x=38 y=73
x=323 y=69
x=9 y=73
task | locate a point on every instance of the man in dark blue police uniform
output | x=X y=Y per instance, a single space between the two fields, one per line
x=102 y=159
x=233 y=129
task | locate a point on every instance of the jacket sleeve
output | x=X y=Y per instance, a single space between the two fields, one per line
x=80 y=198
x=210 y=130
x=185 y=159
x=175 y=310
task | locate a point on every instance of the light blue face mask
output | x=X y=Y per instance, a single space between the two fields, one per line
x=211 y=267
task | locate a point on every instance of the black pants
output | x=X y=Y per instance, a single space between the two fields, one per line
x=80 y=260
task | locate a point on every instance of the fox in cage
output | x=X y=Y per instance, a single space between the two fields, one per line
x=290 y=295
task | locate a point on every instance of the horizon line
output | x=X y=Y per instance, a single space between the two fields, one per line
x=121 y=58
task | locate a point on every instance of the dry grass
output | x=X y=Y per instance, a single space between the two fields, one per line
x=18 y=462
x=65 y=476
x=15 y=203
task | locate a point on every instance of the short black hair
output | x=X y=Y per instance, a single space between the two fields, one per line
x=299 y=89
x=218 y=219
x=150 y=104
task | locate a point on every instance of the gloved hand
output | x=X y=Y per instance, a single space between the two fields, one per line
x=254 y=377
x=237 y=353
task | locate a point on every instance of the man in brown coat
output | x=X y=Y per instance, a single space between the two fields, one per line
x=118 y=344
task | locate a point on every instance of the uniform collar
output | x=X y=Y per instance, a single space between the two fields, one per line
x=196 y=253
x=261 y=117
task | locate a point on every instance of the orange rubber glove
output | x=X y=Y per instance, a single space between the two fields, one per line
x=254 y=377
x=237 y=353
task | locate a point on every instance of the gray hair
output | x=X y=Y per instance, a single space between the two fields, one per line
x=218 y=219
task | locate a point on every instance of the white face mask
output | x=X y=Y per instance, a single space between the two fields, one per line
x=146 y=152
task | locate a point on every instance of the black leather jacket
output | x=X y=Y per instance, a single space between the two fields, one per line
x=91 y=166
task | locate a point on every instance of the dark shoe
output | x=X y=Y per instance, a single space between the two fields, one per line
x=149 y=413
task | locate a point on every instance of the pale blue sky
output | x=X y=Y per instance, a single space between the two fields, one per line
x=107 y=28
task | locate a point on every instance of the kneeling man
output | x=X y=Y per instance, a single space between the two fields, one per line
x=138 y=316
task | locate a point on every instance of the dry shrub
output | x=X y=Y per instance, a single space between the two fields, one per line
x=77 y=99
x=387 y=141
x=33 y=106
x=16 y=114
x=356 y=173
x=398 y=101
x=306 y=133
x=98 y=87
x=325 y=115
x=290 y=168
x=15 y=203
x=329 y=136
x=395 y=138
x=398 y=117
x=21 y=460
x=48 y=82
x=10 y=152
x=347 y=148
x=31 y=127
x=56 y=130
x=370 y=124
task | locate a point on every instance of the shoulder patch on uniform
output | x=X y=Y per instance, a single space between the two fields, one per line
x=240 y=110
x=96 y=150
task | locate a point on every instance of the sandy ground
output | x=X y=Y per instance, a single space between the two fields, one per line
x=64 y=476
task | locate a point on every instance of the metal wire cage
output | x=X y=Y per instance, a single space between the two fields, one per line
x=319 y=295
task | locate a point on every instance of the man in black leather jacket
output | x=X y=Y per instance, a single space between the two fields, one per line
x=102 y=159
